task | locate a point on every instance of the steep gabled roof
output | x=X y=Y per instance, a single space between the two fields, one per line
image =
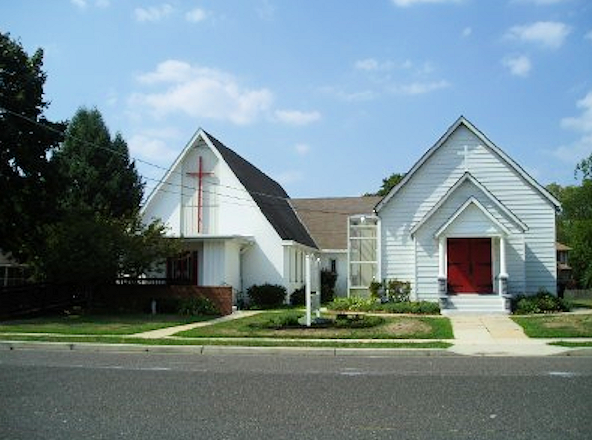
x=467 y=176
x=267 y=193
x=269 y=196
x=326 y=218
x=472 y=201
x=486 y=142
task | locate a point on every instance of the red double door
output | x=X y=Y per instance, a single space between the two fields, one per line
x=469 y=265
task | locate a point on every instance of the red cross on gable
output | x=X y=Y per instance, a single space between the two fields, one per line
x=200 y=175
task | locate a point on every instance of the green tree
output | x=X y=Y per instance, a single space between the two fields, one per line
x=574 y=224
x=99 y=234
x=27 y=178
x=97 y=174
x=388 y=183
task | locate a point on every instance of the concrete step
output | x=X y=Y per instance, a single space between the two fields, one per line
x=476 y=304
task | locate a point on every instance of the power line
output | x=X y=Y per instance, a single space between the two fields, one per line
x=169 y=171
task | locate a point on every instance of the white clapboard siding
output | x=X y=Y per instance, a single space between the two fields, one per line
x=530 y=253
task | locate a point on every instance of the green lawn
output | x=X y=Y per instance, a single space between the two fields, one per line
x=96 y=324
x=403 y=327
x=571 y=344
x=582 y=302
x=556 y=326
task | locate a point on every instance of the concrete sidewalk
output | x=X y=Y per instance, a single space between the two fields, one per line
x=496 y=335
x=169 y=331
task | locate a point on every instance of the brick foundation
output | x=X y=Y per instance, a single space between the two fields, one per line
x=139 y=297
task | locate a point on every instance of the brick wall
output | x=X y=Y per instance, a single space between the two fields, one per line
x=221 y=296
x=139 y=297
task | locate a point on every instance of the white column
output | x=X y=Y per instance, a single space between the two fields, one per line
x=442 y=257
x=503 y=275
x=503 y=268
x=442 y=281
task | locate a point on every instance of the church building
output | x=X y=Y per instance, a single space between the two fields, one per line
x=467 y=226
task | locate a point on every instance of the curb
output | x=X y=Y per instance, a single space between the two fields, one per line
x=220 y=349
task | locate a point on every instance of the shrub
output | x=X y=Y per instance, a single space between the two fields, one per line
x=390 y=290
x=328 y=280
x=415 y=307
x=197 y=305
x=267 y=296
x=166 y=305
x=277 y=322
x=364 y=321
x=356 y=304
x=398 y=291
x=353 y=304
x=374 y=289
x=298 y=297
x=542 y=302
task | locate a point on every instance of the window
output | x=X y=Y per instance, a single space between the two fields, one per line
x=333 y=265
x=363 y=251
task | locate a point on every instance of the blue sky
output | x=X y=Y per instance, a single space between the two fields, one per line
x=327 y=97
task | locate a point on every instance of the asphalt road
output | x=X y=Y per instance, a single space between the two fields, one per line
x=77 y=395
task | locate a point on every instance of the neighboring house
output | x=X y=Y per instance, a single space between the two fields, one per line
x=467 y=226
x=564 y=270
x=326 y=219
x=11 y=272
x=235 y=223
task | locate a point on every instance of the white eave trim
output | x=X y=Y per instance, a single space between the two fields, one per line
x=471 y=201
x=467 y=176
x=299 y=245
x=463 y=121
x=245 y=239
x=164 y=181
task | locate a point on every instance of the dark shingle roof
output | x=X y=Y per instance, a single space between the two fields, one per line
x=326 y=219
x=268 y=194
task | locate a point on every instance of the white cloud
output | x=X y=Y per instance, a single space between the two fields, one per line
x=367 y=64
x=371 y=64
x=111 y=97
x=519 y=65
x=174 y=71
x=297 y=117
x=153 y=13
x=406 y=3
x=365 y=95
x=582 y=147
x=288 y=177
x=548 y=34
x=83 y=4
x=302 y=149
x=196 y=15
x=200 y=92
x=466 y=32
x=419 y=88
x=266 y=11
x=584 y=121
x=155 y=145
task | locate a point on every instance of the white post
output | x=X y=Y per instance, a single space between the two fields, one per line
x=307 y=280
x=503 y=276
x=442 y=257
x=442 y=282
